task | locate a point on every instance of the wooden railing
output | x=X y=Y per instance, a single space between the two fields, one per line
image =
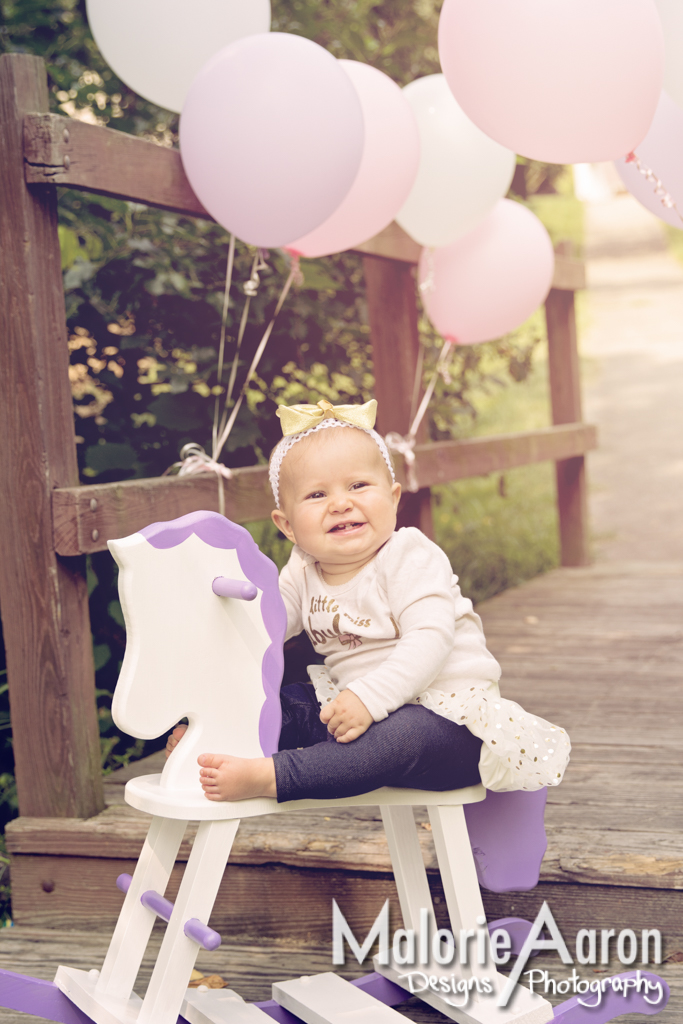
x=49 y=522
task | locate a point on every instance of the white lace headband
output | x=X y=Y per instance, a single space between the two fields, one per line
x=288 y=442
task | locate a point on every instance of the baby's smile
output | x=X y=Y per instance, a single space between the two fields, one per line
x=346 y=527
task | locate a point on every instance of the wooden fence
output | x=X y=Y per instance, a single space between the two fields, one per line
x=48 y=522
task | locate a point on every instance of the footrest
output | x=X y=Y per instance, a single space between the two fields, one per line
x=79 y=986
x=220 y=1006
x=328 y=999
x=473 y=1006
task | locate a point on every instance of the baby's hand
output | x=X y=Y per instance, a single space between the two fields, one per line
x=347 y=717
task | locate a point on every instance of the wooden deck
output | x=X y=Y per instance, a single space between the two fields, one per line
x=598 y=650
x=252 y=969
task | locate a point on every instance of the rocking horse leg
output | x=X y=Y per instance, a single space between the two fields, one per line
x=135 y=923
x=196 y=897
x=466 y=912
x=408 y=865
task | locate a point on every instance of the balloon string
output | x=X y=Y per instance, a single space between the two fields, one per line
x=193 y=458
x=225 y=433
x=224 y=323
x=665 y=198
x=405 y=445
x=428 y=285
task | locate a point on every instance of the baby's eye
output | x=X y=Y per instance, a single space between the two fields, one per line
x=358 y=485
x=315 y=494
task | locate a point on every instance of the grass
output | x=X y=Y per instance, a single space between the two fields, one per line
x=674 y=237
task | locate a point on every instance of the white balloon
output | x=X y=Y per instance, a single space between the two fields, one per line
x=671 y=14
x=157 y=46
x=462 y=173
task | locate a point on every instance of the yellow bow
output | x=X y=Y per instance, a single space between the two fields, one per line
x=297 y=418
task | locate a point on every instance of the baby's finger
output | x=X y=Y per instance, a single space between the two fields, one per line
x=334 y=722
x=348 y=736
x=327 y=711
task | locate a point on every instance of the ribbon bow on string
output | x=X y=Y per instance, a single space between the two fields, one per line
x=294 y=419
x=193 y=459
x=405 y=446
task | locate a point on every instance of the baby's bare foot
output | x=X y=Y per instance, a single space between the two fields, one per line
x=236 y=778
x=175 y=738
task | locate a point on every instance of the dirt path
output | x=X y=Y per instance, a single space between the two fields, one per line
x=632 y=334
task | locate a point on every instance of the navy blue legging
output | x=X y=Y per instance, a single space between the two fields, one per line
x=412 y=748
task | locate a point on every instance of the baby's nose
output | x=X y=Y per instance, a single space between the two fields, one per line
x=340 y=502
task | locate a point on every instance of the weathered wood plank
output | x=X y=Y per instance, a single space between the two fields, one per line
x=565 y=401
x=272 y=902
x=442 y=461
x=44 y=599
x=579 y=850
x=63 y=151
x=60 y=150
x=85 y=518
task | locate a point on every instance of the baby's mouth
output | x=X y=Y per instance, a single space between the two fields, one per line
x=345 y=527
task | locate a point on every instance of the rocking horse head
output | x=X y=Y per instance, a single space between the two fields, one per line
x=205 y=626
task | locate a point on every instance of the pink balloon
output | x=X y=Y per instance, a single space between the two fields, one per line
x=662 y=151
x=271 y=137
x=489 y=281
x=564 y=81
x=387 y=170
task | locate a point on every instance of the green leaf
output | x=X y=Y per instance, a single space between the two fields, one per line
x=114 y=609
x=70 y=247
x=101 y=655
x=317 y=277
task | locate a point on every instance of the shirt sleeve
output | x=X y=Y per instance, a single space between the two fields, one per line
x=291 y=584
x=436 y=623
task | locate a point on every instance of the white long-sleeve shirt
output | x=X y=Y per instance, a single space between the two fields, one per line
x=401 y=632
x=399 y=627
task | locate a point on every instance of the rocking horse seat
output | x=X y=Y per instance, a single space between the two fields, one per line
x=145 y=793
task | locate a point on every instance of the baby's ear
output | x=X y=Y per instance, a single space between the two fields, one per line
x=396 y=494
x=282 y=523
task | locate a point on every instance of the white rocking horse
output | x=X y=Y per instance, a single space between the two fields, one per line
x=205 y=629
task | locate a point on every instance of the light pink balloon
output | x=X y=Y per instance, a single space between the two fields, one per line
x=489 y=281
x=564 y=81
x=662 y=151
x=271 y=137
x=387 y=169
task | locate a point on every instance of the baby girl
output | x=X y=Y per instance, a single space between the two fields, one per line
x=408 y=690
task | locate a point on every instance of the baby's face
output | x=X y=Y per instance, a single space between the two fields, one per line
x=338 y=501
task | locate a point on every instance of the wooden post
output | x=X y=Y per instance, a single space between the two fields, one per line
x=392 y=310
x=565 y=399
x=43 y=598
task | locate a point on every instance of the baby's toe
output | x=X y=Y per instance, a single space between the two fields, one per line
x=210 y=760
